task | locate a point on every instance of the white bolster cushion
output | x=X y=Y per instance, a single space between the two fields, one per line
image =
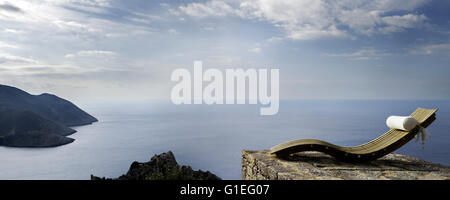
x=405 y=123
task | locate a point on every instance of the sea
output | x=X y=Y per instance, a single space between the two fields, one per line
x=212 y=137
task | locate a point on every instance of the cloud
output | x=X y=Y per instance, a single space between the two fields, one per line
x=89 y=6
x=165 y=5
x=210 y=8
x=362 y=54
x=10 y=8
x=73 y=26
x=6 y=58
x=405 y=21
x=313 y=19
x=86 y=53
x=13 y=31
x=432 y=49
x=399 y=23
x=7 y=45
x=145 y=18
x=85 y=20
x=173 y=31
x=255 y=50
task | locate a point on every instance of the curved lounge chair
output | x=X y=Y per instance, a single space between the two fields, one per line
x=383 y=145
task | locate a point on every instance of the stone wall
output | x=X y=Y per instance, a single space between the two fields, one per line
x=260 y=165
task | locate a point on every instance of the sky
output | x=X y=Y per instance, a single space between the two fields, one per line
x=92 y=50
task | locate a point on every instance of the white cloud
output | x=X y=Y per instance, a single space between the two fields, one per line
x=13 y=31
x=399 y=23
x=255 y=50
x=36 y=69
x=69 y=17
x=145 y=18
x=165 y=5
x=173 y=31
x=6 y=58
x=88 y=3
x=73 y=26
x=7 y=45
x=86 y=53
x=405 y=21
x=362 y=54
x=312 y=19
x=432 y=49
x=210 y=8
x=92 y=6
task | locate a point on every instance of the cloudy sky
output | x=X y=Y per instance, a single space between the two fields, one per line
x=125 y=50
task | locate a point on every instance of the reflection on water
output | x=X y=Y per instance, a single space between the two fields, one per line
x=212 y=137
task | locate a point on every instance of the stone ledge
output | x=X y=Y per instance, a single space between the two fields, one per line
x=260 y=165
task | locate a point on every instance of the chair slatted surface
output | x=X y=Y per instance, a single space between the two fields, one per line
x=385 y=144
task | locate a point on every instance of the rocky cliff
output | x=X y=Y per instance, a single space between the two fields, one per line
x=260 y=165
x=162 y=167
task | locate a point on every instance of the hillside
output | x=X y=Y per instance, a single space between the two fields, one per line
x=46 y=105
x=37 y=120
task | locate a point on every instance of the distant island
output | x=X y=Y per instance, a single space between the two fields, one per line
x=37 y=120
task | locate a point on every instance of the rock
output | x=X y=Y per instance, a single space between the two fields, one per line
x=162 y=167
x=260 y=165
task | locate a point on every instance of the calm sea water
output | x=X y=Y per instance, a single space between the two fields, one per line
x=212 y=137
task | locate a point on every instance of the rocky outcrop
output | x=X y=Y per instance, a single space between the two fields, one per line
x=260 y=165
x=162 y=167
